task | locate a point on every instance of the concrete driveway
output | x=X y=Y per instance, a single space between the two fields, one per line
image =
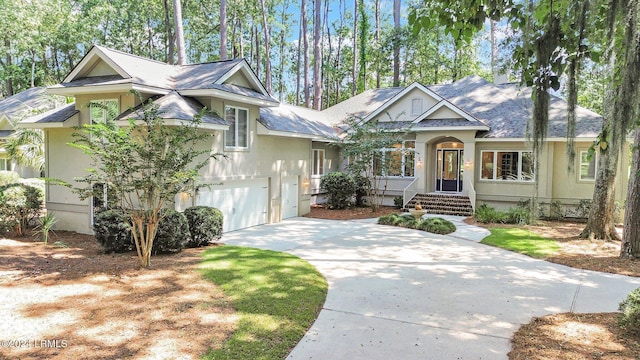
x=396 y=293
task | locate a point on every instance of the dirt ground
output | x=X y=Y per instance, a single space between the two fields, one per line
x=78 y=303
x=75 y=302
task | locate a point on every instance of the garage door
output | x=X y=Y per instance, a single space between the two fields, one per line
x=243 y=203
x=289 y=197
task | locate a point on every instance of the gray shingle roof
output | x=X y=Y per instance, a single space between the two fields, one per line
x=5 y=133
x=28 y=103
x=57 y=115
x=202 y=76
x=293 y=119
x=360 y=105
x=173 y=106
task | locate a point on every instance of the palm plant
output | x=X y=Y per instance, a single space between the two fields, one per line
x=26 y=148
x=45 y=227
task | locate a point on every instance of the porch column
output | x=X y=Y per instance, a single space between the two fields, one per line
x=421 y=166
x=469 y=177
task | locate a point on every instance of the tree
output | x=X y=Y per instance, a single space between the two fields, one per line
x=177 y=19
x=145 y=164
x=267 y=48
x=396 y=43
x=362 y=147
x=317 y=57
x=223 y=30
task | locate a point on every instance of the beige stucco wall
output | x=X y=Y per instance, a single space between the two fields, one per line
x=401 y=109
x=266 y=157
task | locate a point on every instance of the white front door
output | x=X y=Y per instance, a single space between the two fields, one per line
x=289 y=196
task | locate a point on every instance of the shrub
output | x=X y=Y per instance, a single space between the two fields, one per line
x=172 y=234
x=205 y=225
x=8 y=177
x=340 y=188
x=19 y=204
x=398 y=201
x=113 y=232
x=437 y=226
x=517 y=215
x=487 y=214
x=630 y=317
x=388 y=219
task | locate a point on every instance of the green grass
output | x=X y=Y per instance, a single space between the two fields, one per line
x=277 y=297
x=522 y=241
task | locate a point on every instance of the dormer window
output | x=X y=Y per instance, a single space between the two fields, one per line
x=103 y=110
x=416 y=107
x=237 y=137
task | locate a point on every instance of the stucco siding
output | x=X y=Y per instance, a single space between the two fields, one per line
x=401 y=109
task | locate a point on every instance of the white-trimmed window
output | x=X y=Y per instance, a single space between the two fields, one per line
x=102 y=110
x=318 y=162
x=588 y=167
x=399 y=160
x=416 y=107
x=5 y=164
x=507 y=165
x=237 y=137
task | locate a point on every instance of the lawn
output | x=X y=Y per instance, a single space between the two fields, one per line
x=522 y=241
x=276 y=296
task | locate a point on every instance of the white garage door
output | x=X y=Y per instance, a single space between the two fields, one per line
x=289 y=197
x=243 y=203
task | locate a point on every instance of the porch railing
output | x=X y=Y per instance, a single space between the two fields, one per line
x=472 y=193
x=409 y=192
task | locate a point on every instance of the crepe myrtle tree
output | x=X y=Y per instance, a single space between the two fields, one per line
x=363 y=145
x=145 y=164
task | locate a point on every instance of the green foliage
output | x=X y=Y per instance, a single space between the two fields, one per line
x=340 y=188
x=361 y=145
x=19 y=204
x=522 y=241
x=145 y=165
x=276 y=295
x=173 y=232
x=437 y=226
x=26 y=147
x=112 y=230
x=630 y=317
x=45 y=227
x=205 y=225
x=432 y=225
x=516 y=215
x=398 y=202
x=362 y=186
x=8 y=177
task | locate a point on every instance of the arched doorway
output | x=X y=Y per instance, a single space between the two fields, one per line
x=449 y=166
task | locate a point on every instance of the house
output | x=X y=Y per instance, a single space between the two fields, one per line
x=466 y=139
x=15 y=108
x=469 y=138
x=265 y=176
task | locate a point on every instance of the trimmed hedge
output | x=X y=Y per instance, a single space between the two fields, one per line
x=112 y=231
x=205 y=225
x=340 y=188
x=433 y=225
x=172 y=234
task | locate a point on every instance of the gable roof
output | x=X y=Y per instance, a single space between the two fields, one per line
x=28 y=103
x=52 y=118
x=361 y=105
x=129 y=71
x=174 y=107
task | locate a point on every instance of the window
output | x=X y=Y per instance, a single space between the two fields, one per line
x=588 y=166
x=398 y=160
x=102 y=110
x=237 y=137
x=416 y=107
x=5 y=164
x=318 y=162
x=507 y=165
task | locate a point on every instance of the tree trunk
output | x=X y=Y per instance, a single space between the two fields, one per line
x=377 y=40
x=177 y=18
x=8 y=63
x=298 y=67
x=631 y=237
x=317 y=57
x=354 y=70
x=267 y=48
x=305 y=39
x=396 y=43
x=601 y=224
x=494 y=50
x=283 y=17
x=223 y=30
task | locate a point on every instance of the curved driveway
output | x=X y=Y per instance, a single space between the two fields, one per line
x=397 y=293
